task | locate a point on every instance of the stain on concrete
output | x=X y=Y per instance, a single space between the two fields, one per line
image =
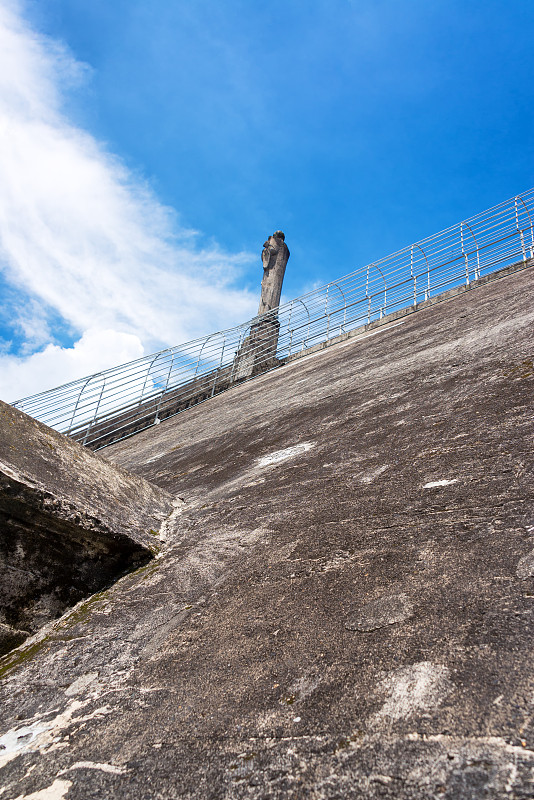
x=386 y=610
x=525 y=567
x=56 y=791
x=111 y=769
x=81 y=683
x=413 y=690
x=282 y=455
x=374 y=474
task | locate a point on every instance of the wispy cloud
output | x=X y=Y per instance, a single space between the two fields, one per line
x=84 y=240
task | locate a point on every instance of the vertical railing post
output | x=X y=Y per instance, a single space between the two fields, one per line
x=89 y=379
x=218 y=368
x=367 y=295
x=383 y=308
x=290 y=313
x=146 y=378
x=305 y=341
x=466 y=258
x=288 y=329
x=198 y=358
x=204 y=343
x=164 y=392
x=342 y=293
x=414 y=277
x=326 y=314
x=95 y=415
x=477 y=268
x=520 y=230
x=531 y=227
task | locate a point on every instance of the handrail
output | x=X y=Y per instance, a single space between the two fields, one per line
x=116 y=402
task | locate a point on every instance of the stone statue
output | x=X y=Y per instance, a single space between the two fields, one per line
x=258 y=352
x=274 y=257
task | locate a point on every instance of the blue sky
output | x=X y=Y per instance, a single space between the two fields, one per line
x=178 y=135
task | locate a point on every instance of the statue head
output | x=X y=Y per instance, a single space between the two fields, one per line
x=274 y=248
x=275 y=241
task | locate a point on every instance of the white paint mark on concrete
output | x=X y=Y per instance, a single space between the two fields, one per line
x=111 y=768
x=371 y=476
x=43 y=735
x=19 y=740
x=511 y=778
x=282 y=455
x=414 y=689
x=339 y=561
x=155 y=458
x=444 y=482
x=305 y=685
x=56 y=791
x=81 y=683
x=384 y=779
x=525 y=567
x=168 y=524
x=493 y=741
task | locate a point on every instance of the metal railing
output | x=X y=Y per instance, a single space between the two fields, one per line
x=115 y=403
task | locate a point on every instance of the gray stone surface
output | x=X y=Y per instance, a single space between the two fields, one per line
x=224 y=668
x=70 y=522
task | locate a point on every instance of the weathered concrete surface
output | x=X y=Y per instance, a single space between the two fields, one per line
x=70 y=522
x=344 y=604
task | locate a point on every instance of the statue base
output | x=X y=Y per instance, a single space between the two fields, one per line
x=257 y=354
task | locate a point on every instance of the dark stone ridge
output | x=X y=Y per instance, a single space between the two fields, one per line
x=397 y=464
x=70 y=523
x=11 y=637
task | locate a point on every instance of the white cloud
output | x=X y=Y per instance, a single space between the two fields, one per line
x=95 y=351
x=81 y=237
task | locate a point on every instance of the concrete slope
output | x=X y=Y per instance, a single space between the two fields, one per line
x=344 y=603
